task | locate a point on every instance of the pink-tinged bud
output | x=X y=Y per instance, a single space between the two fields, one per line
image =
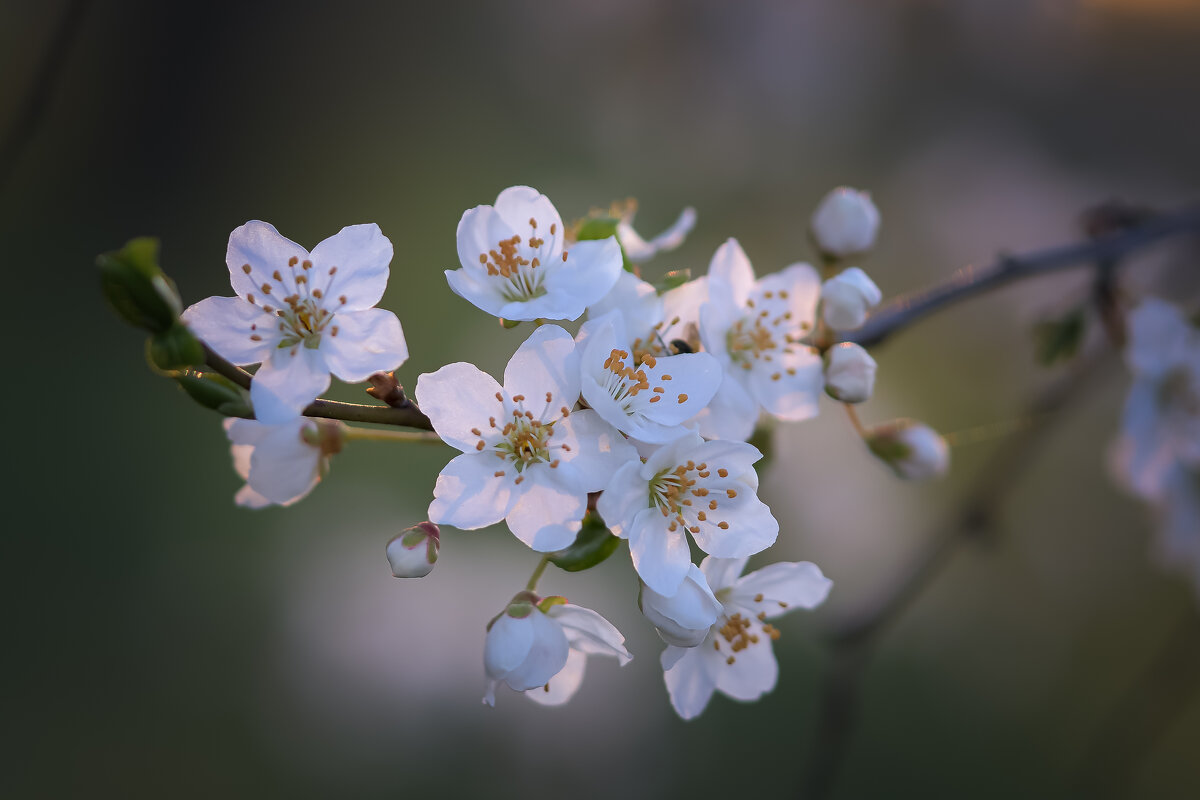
x=413 y=553
x=912 y=449
x=846 y=299
x=845 y=223
x=849 y=373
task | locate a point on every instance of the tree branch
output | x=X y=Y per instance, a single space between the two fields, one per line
x=907 y=309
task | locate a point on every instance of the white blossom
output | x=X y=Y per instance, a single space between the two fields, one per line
x=280 y=463
x=654 y=322
x=516 y=263
x=847 y=298
x=540 y=646
x=736 y=657
x=913 y=450
x=849 y=373
x=645 y=396
x=754 y=329
x=845 y=223
x=707 y=489
x=638 y=249
x=682 y=619
x=302 y=315
x=527 y=458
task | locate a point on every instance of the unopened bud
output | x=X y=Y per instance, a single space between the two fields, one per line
x=683 y=619
x=137 y=288
x=845 y=223
x=175 y=348
x=912 y=449
x=216 y=392
x=847 y=297
x=849 y=373
x=413 y=553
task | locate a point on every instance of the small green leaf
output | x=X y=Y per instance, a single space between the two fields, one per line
x=215 y=391
x=594 y=228
x=593 y=544
x=137 y=288
x=1059 y=339
x=175 y=348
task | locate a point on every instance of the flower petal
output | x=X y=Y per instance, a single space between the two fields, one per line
x=753 y=673
x=517 y=205
x=284 y=467
x=288 y=382
x=548 y=515
x=722 y=572
x=783 y=587
x=457 y=398
x=636 y=301
x=731 y=414
x=546 y=362
x=688 y=683
x=589 y=632
x=265 y=250
x=507 y=644
x=469 y=496
x=589 y=273
x=661 y=557
x=638 y=249
x=226 y=324
x=561 y=687
x=790 y=386
x=367 y=342
x=597 y=449
x=626 y=495
x=547 y=655
x=361 y=255
x=730 y=274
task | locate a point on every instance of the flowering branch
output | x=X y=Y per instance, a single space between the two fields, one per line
x=903 y=311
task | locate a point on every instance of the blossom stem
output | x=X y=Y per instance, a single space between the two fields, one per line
x=907 y=309
x=531 y=586
x=373 y=435
x=852 y=413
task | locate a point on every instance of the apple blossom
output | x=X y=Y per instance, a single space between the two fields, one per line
x=913 y=450
x=302 y=315
x=849 y=373
x=413 y=553
x=682 y=619
x=754 y=329
x=281 y=463
x=845 y=223
x=656 y=323
x=707 y=489
x=540 y=645
x=526 y=456
x=846 y=299
x=516 y=265
x=736 y=657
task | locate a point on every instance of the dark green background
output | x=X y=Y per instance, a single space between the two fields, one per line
x=162 y=643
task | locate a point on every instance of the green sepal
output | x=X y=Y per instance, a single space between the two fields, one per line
x=174 y=348
x=593 y=544
x=888 y=447
x=594 y=228
x=216 y=392
x=509 y=323
x=1059 y=339
x=137 y=288
x=550 y=602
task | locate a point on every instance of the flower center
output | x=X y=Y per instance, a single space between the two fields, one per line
x=302 y=313
x=766 y=333
x=740 y=632
x=525 y=439
x=520 y=268
x=686 y=501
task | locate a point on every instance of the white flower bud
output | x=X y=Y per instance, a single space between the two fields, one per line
x=413 y=553
x=847 y=297
x=845 y=223
x=849 y=373
x=685 y=618
x=912 y=449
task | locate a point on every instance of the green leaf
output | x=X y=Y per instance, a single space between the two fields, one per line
x=137 y=288
x=1059 y=339
x=175 y=348
x=594 y=228
x=216 y=392
x=593 y=544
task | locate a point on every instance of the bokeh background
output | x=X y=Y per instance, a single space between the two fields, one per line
x=160 y=642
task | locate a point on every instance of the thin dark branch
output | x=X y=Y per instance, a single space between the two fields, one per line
x=37 y=100
x=966 y=283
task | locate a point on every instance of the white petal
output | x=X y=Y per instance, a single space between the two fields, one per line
x=695 y=378
x=457 y=398
x=1159 y=337
x=265 y=250
x=246 y=497
x=367 y=342
x=683 y=302
x=796 y=584
x=545 y=362
x=517 y=205
x=597 y=449
x=480 y=230
x=478 y=292
x=752 y=528
x=753 y=673
x=548 y=515
x=284 y=467
x=590 y=633
x=731 y=414
x=588 y=274
x=288 y=382
x=638 y=249
x=687 y=681
x=562 y=687
x=467 y=494
x=683 y=619
x=661 y=557
x=507 y=644
x=361 y=255
x=730 y=274
x=224 y=324
x=625 y=496
x=722 y=572
x=789 y=387
x=635 y=300
x=547 y=655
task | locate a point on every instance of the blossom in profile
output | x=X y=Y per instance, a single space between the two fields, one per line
x=913 y=450
x=302 y=315
x=684 y=618
x=687 y=486
x=527 y=456
x=281 y=463
x=755 y=328
x=540 y=646
x=639 y=250
x=517 y=265
x=845 y=223
x=736 y=657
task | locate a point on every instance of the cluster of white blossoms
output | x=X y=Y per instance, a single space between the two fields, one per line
x=1157 y=455
x=635 y=425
